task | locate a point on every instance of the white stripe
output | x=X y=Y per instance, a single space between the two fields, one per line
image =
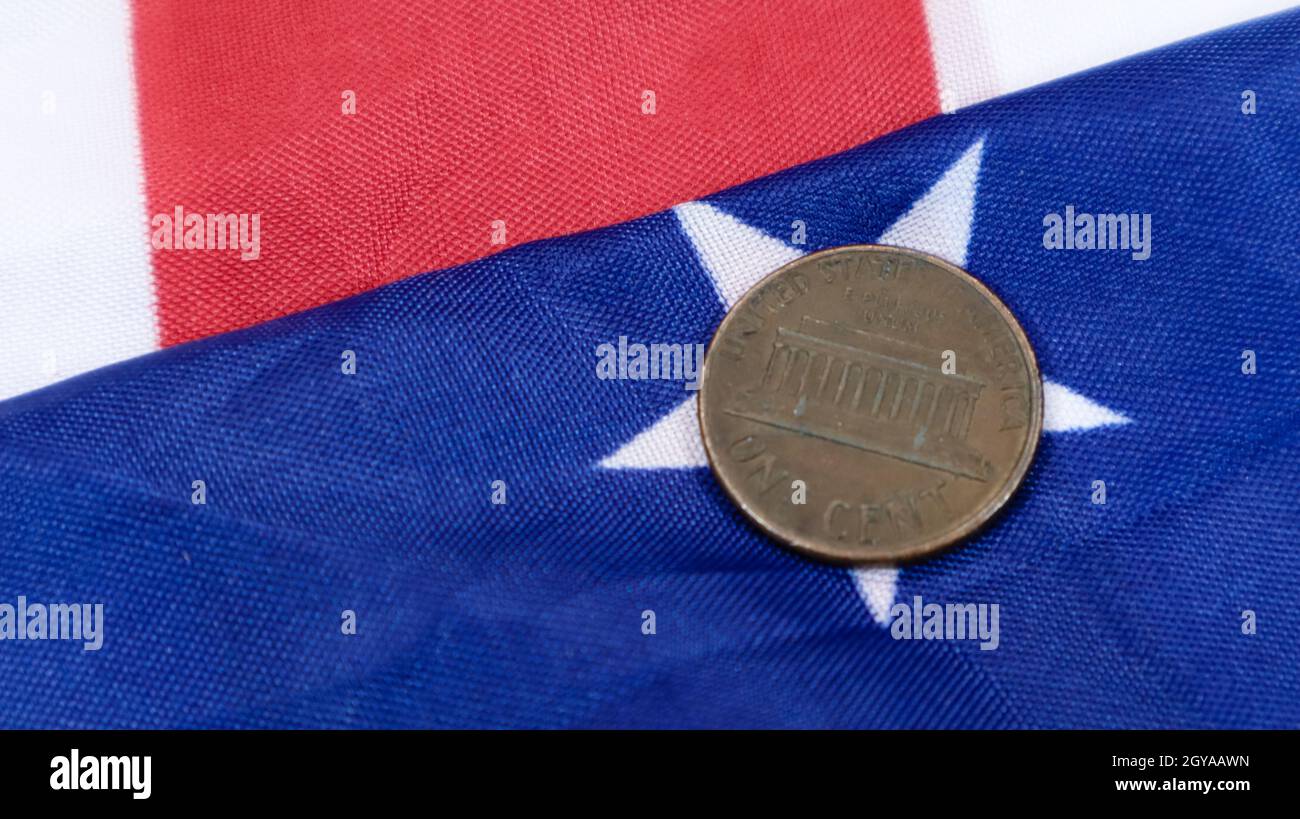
x=963 y=68
x=983 y=48
x=76 y=284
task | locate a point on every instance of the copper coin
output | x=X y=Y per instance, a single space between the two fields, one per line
x=870 y=404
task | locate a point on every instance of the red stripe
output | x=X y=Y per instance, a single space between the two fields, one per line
x=469 y=112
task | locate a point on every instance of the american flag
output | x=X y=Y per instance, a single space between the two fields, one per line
x=301 y=313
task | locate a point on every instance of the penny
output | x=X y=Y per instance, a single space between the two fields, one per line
x=870 y=404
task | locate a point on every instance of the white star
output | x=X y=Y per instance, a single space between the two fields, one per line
x=1064 y=410
x=737 y=256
